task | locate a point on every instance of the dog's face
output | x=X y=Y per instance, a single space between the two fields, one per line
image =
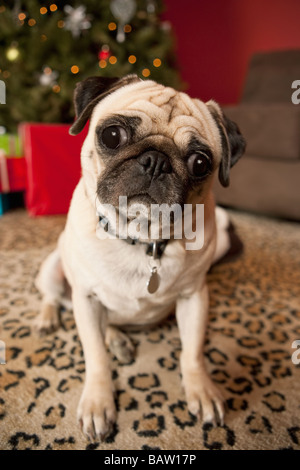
x=151 y=143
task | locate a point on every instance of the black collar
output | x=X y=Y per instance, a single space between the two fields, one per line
x=153 y=249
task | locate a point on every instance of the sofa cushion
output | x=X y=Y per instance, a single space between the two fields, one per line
x=270 y=77
x=259 y=186
x=271 y=130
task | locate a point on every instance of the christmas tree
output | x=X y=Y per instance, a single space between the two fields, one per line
x=47 y=47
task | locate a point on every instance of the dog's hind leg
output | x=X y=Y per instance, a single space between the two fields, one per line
x=229 y=246
x=51 y=284
x=119 y=344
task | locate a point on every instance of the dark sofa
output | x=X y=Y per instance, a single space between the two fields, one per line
x=267 y=178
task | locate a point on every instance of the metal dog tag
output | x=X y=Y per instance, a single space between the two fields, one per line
x=153 y=283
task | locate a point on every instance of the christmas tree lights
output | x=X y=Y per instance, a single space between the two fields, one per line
x=47 y=47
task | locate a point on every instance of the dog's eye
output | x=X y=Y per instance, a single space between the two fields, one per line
x=199 y=165
x=114 y=136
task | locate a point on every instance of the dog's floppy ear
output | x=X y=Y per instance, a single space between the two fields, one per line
x=92 y=90
x=233 y=143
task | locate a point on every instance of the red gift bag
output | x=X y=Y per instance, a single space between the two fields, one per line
x=53 y=166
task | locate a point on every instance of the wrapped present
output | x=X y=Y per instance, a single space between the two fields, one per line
x=10 y=201
x=53 y=166
x=12 y=174
x=12 y=181
x=4 y=203
x=11 y=145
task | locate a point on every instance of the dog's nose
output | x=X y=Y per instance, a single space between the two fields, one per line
x=154 y=163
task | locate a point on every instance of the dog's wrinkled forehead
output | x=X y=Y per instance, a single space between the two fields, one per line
x=162 y=111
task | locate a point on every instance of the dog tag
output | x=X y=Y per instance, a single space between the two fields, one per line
x=153 y=283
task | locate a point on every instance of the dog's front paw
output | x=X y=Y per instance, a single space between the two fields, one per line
x=96 y=412
x=204 y=400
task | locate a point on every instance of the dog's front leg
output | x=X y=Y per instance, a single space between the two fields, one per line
x=203 y=397
x=96 y=410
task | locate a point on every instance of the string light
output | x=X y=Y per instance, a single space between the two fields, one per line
x=112 y=60
x=43 y=10
x=132 y=59
x=146 y=72
x=60 y=24
x=157 y=62
x=112 y=26
x=22 y=16
x=74 y=69
x=102 y=64
x=31 y=22
x=12 y=53
x=127 y=28
x=53 y=7
x=56 y=88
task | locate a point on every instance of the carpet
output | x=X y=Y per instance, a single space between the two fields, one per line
x=254 y=320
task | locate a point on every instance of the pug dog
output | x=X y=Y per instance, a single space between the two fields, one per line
x=151 y=145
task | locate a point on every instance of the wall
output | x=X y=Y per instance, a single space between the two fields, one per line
x=216 y=38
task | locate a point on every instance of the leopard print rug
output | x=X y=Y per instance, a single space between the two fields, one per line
x=254 y=319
